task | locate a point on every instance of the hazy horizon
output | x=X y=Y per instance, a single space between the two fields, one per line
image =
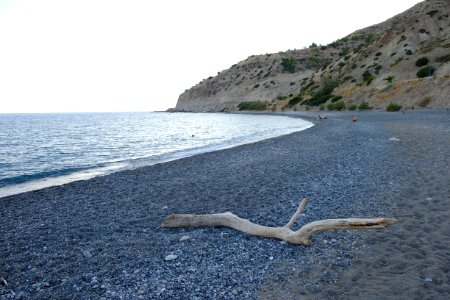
x=117 y=56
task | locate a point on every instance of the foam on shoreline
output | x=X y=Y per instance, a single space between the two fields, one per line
x=131 y=164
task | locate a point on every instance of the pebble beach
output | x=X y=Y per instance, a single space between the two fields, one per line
x=101 y=238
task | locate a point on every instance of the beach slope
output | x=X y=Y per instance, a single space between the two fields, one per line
x=101 y=237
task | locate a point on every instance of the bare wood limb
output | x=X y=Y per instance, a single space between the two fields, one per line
x=297 y=213
x=301 y=236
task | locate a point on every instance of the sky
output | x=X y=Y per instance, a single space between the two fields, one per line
x=140 y=55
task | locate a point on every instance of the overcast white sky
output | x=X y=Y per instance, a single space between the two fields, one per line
x=136 y=55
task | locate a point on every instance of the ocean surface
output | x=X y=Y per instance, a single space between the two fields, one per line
x=41 y=150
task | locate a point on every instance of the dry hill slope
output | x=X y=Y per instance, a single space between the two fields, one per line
x=405 y=60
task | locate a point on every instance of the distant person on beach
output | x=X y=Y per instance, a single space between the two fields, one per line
x=354 y=118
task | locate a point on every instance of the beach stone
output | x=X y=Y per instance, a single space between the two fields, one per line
x=170 y=257
x=184 y=238
x=428 y=279
x=87 y=254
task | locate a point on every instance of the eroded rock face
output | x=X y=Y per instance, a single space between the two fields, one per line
x=376 y=64
x=258 y=78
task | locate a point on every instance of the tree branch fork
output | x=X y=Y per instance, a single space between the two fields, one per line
x=301 y=236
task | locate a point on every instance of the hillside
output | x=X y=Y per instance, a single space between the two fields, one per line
x=405 y=59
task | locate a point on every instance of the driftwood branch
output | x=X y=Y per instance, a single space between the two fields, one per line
x=301 y=236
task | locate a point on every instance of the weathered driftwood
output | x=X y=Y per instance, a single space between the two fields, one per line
x=301 y=236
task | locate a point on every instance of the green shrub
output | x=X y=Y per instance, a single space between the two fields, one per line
x=432 y=12
x=289 y=64
x=252 y=105
x=424 y=102
x=378 y=68
x=389 y=79
x=322 y=106
x=344 y=51
x=409 y=52
x=443 y=59
x=352 y=107
x=393 y=107
x=368 y=77
x=312 y=62
x=425 y=72
x=423 y=61
x=317 y=100
x=295 y=100
x=323 y=94
x=397 y=61
x=364 y=106
x=369 y=38
x=336 y=98
x=282 y=97
x=336 y=106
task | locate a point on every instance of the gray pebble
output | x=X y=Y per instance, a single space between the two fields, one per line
x=170 y=257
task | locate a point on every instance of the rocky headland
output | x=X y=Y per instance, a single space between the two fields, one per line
x=403 y=60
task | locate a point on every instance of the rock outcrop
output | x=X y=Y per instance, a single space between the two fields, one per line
x=405 y=59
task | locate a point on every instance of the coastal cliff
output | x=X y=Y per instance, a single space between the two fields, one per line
x=403 y=60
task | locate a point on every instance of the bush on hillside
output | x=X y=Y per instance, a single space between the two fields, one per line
x=425 y=72
x=323 y=94
x=295 y=100
x=336 y=98
x=393 y=107
x=252 y=105
x=336 y=106
x=289 y=64
x=397 y=61
x=352 y=107
x=423 y=61
x=389 y=79
x=424 y=102
x=364 y=106
x=368 y=77
x=443 y=59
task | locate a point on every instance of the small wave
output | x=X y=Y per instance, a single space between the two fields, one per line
x=198 y=143
x=37 y=184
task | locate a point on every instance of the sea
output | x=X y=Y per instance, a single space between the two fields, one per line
x=42 y=150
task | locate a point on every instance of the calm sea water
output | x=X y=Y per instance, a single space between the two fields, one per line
x=40 y=150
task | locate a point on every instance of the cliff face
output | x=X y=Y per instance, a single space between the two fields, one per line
x=405 y=59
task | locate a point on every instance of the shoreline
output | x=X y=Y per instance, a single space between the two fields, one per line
x=107 y=168
x=101 y=237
